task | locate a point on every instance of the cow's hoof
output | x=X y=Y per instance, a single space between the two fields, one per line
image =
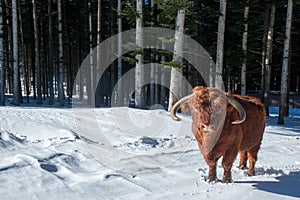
x=242 y=166
x=251 y=173
x=211 y=179
x=227 y=180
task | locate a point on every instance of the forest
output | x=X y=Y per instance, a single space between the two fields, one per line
x=255 y=45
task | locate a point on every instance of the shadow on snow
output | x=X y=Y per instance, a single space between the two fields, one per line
x=287 y=185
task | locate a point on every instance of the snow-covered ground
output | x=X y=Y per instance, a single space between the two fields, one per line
x=146 y=155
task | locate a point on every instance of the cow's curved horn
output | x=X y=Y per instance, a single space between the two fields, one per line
x=239 y=108
x=176 y=107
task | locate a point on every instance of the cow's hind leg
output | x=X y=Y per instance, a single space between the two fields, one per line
x=243 y=160
x=252 y=156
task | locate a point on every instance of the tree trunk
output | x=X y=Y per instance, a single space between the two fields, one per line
x=268 y=59
x=113 y=70
x=27 y=73
x=60 y=57
x=9 y=54
x=245 y=40
x=139 y=69
x=98 y=37
x=91 y=93
x=37 y=54
x=100 y=87
x=24 y=58
x=163 y=79
x=285 y=64
x=42 y=56
x=220 y=44
x=67 y=52
x=119 y=92
x=16 y=73
x=80 y=87
x=2 y=77
x=157 y=70
x=176 y=76
x=50 y=53
x=264 y=50
x=152 y=64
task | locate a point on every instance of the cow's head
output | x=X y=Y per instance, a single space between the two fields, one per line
x=208 y=102
x=208 y=107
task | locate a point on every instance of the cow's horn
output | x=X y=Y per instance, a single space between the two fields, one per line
x=176 y=107
x=239 y=108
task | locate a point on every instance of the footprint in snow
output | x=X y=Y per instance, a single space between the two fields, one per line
x=48 y=167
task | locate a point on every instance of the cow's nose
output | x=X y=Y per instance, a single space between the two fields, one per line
x=204 y=127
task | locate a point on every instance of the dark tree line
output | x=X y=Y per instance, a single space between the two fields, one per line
x=55 y=36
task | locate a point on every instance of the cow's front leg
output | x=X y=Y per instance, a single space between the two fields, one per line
x=211 y=161
x=227 y=174
x=227 y=162
x=212 y=173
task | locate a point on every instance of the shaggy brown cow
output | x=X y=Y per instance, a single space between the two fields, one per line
x=225 y=124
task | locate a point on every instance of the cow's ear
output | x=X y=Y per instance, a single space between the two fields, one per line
x=185 y=107
x=198 y=88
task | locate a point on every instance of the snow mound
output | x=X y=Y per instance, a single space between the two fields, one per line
x=44 y=156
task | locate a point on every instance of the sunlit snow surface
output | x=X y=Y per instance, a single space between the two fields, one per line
x=44 y=156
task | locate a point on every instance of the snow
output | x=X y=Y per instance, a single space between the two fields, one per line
x=46 y=154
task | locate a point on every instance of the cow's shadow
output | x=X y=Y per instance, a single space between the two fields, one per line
x=287 y=185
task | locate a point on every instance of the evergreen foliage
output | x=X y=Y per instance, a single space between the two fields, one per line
x=201 y=24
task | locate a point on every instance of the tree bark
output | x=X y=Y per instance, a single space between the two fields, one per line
x=285 y=64
x=176 y=76
x=139 y=69
x=220 y=44
x=244 y=45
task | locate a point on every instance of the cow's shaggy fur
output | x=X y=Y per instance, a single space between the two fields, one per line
x=245 y=138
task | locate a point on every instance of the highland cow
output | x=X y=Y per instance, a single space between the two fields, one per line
x=224 y=125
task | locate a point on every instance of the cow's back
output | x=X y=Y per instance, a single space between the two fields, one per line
x=254 y=125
